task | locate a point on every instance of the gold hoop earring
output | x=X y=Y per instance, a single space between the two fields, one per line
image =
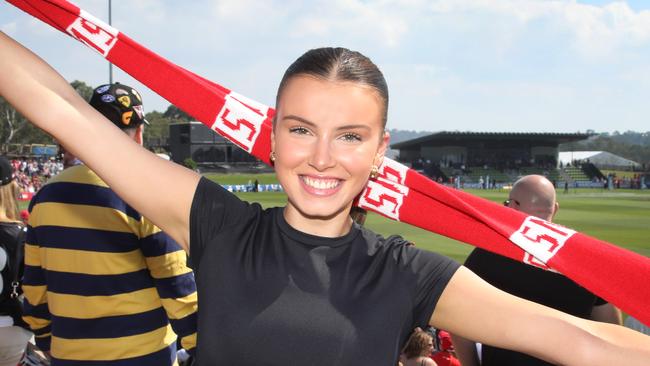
x=374 y=172
x=272 y=157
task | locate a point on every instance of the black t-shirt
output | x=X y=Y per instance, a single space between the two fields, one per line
x=272 y=295
x=535 y=284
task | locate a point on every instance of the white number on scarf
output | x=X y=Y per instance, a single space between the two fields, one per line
x=540 y=238
x=383 y=196
x=240 y=120
x=93 y=32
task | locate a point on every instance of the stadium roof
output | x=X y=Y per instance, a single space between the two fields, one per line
x=598 y=158
x=560 y=138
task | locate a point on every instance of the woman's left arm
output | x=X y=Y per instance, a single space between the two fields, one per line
x=473 y=309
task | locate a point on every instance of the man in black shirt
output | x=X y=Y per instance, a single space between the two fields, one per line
x=534 y=195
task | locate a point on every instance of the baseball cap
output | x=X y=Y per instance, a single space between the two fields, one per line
x=6 y=171
x=445 y=340
x=120 y=103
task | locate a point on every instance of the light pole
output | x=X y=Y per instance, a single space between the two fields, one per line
x=110 y=64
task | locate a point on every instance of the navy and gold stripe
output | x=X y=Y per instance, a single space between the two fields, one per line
x=185 y=326
x=177 y=286
x=90 y=239
x=98 y=349
x=83 y=194
x=165 y=356
x=33 y=276
x=38 y=311
x=103 y=285
x=98 y=285
x=109 y=327
x=158 y=244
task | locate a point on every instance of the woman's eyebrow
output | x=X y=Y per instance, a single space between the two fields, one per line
x=312 y=124
x=299 y=119
x=352 y=127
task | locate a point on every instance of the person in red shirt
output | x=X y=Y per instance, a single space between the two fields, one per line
x=446 y=355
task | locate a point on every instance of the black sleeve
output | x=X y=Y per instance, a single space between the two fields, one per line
x=432 y=273
x=487 y=265
x=213 y=210
x=600 y=301
x=474 y=260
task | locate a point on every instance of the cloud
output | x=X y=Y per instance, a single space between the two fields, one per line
x=379 y=21
x=595 y=30
x=465 y=62
x=591 y=30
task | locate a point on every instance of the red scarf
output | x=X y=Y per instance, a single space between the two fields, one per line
x=615 y=274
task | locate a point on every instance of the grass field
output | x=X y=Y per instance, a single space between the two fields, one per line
x=621 y=217
x=267 y=178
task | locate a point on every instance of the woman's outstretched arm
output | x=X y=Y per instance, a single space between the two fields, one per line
x=158 y=189
x=473 y=309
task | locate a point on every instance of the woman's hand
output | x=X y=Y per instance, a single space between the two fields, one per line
x=160 y=190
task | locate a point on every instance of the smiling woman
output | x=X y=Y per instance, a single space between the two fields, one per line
x=327 y=137
x=303 y=283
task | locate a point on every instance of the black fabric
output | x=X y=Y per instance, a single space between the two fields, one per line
x=531 y=283
x=12 y=241
x=271 y=295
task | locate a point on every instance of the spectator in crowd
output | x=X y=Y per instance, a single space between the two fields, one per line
x=445 y=355
x=13 y=331
x=67 y=158
x=534 y=195
x=31 y=173
x=418 y=349
x=102 y=283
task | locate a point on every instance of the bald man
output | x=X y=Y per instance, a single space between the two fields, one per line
x=533 y=195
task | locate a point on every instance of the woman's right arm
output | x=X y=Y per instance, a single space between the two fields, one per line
x=473 y=309
x=160 y=190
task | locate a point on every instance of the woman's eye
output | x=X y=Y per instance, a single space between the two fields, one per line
x=299 y=130
x=351 y=137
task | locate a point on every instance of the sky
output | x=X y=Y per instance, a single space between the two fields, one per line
x=451 y=65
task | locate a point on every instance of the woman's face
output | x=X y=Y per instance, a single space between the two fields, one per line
x=327 y=136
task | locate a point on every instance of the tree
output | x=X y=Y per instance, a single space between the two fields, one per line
x=85 y=90
x=157 y=132
x=630 y=145
x=14 y=128
x=12 y=121
x=174 y=113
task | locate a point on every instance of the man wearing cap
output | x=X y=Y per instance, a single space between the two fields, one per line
x=103 y=285
x=533 y=195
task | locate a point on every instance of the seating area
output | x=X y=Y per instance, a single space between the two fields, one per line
x=471 y=176
x=474 y=174
x=551 y=174
x=576 y=174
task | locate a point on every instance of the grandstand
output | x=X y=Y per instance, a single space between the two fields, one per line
x=497 y=157
x=209 y=150
x=493 y=159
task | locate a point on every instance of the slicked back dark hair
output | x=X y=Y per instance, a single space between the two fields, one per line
x=339 y=64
